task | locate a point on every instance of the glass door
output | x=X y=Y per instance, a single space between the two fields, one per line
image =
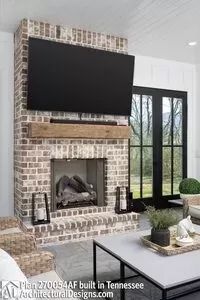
x=172 y=146
x=158 y=145
x=141 y=147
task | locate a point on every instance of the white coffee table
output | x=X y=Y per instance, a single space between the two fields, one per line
x=165 y=272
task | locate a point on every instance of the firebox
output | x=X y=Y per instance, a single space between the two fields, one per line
x=77 y=182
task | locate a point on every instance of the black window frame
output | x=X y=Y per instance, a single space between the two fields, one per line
x=157 y=199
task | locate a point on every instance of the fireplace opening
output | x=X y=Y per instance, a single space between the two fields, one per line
x=77 y=183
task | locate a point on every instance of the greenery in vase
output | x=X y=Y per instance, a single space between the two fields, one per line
x=161 y=219
x=189 y=186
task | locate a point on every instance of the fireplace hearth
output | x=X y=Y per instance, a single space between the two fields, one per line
x=77 y=183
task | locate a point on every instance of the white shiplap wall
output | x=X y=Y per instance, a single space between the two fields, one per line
x=197 y=153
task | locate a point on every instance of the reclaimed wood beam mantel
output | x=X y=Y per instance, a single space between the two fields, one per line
x=87 y=131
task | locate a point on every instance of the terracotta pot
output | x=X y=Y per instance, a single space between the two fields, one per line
x=160 y=237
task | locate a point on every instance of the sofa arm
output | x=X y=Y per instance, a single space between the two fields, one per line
x=35 y=263
x=17 y=243
x=8 y=222
x=187 y=201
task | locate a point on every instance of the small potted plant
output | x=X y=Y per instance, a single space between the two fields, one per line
x=160 y=221
x=189 y=187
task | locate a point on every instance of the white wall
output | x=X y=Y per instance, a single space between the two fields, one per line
x=198 y=119
x=6 y=123
x=159 y=73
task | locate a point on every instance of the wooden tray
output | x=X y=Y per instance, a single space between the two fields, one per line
x=172 y=249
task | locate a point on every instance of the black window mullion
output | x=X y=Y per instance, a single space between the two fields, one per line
x=172 y=146
x=184 y=136
x=141 y=149
x=157 y=149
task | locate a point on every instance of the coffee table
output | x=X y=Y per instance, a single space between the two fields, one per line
x=165 y=272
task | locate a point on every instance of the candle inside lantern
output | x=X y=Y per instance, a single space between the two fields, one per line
x=40 y=214
x=123 y=204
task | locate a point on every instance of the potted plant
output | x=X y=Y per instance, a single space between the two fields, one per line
x=189 y=187
x=160 y=221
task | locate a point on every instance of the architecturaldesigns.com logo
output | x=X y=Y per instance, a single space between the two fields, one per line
x=9 y=290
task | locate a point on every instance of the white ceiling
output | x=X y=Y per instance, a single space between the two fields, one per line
x=158 y=28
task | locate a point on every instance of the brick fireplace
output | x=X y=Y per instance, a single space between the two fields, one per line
x=36 y=159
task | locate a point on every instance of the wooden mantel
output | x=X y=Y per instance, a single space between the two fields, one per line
x=82 y=131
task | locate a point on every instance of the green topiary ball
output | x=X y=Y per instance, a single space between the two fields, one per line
x=189 y=186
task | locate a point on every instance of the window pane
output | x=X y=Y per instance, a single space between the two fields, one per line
x=147 y=119
x=177 y=171
x=177 y=130
x=147 y=172
x=167 y=120
x=166 y=189
x=135 y=172
x=135 y=120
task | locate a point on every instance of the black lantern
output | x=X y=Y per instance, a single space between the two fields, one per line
x=39 y=216
x=122 y=205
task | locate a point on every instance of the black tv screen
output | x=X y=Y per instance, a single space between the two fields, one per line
x=70 y=78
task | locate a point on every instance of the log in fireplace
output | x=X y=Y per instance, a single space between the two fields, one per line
x=77 y=182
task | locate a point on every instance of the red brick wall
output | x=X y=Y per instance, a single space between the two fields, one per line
x=32 y=156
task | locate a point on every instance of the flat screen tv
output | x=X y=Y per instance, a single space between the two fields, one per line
x=70 y=78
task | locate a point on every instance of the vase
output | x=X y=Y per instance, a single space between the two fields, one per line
x=160 y=237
